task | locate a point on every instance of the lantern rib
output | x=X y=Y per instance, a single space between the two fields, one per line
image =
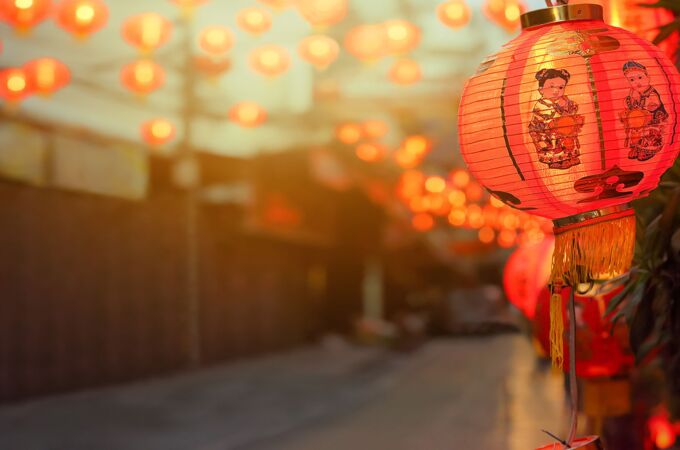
x=668 y=82
x=505 y=133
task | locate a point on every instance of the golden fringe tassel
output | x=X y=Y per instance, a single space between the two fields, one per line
x=556 y=328
x=582 y=254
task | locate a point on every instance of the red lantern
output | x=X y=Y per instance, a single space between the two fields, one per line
x=216 y=41
x=322 y=13
x=157 y=132
x=15 y=85
x=24 y=14
x=526 y=274
x=276 y=5
x=147 y=31
x=375 y=129
x=248 y=114
x=319 y=50
x=405 y=72
x=572 y=120
x=82 y=17
x=402 y=36
x=254 y=20
x=367 y=42
x=270 y=61
x=188 y=6
x=142 y=77
x=47 y=75
x=505 y=13
x=454 y=13
x=212 y=68
x=349 y=133
x=371 y=151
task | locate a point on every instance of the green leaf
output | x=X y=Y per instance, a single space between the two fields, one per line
x=618 y=298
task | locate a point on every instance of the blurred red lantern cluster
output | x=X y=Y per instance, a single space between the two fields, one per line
x=365 y=137
x=43 y=76
x=412 y=151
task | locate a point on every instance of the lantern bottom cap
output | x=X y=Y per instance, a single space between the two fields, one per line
x=590 y=217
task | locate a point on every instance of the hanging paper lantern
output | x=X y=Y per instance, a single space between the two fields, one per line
x=142 y=77
x=188 y=6
x=405 y=72
x=322 y=13
x=254 y=20
x=505 y=13
x=15 y=85
x=277 y=5
x=248 y=114
x=147 y=32
x=319 y=50
x=158 y=132
x=216 y=40
x=644 y=22
x=371 y=151
x=212 y=67
x=402 y=36
x=82 y=17
x=572 y=120
x=526 y=274
x=349 y=133
x=422 y=222
x=367 y=42
x=270 y=61
x=454 y=13
x=47 y=75
x=24 y=14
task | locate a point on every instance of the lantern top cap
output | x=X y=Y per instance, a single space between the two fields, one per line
x=562 y=13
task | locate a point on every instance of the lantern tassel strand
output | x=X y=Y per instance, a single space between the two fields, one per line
x=556 y=327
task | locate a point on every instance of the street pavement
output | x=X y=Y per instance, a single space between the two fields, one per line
x=451 y=394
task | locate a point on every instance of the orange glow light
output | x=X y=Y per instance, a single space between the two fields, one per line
x=270 y=61
x=370 y=152
x=422 y=222
x=248 y=114
x=216 y=40
x=322 y=13
x=417 y=145
x=158 y=131
x=457 y=198
x=367 y=42
x=505 y=13
x=457 y=217
x=14 y=85
x=486 y=235
x=82 y=17
x=47 y=75
x=254 y=20
x=435 y=185
x=349 y=133
x=143 y=77
x=474 y=192
x=375 y=129
x=460 y=178
x=147 y=32
x=507 y=238
x=406 y=159
x=402 y=36
x=24 y=14
x=454 y=13
x=319 y=50
x=405 y=72
x=276 y=5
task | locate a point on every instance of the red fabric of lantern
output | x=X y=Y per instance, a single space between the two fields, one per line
x=82 y=17
x=526 y=274
x=572 y=120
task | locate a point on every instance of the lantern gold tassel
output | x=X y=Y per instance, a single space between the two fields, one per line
x=556 y=327
x=597 y=249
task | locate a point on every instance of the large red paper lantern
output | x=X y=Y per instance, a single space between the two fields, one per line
x=147 y=31
x=254 y=20
x=322 y=13
x=319 y=50
x=527 y=273
x=216 y=40
x=248 y=114
x=82 y=17
x=47 y=75
x=15 y=85
x=571 y=121
x=24 y=14
x=270 y=60
x=454 y=13
x=142 y=77
x=367 y=42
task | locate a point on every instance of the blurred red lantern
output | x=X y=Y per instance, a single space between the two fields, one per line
x=572 y=120
x=405 y=72
x=14 y=85
x=486 y=235
x=216 y=40
x=248 y=114
x=157 y=132
x=142 y=77
x=505 y=13
x=349 y=133
x=374 y=129
x=212 y=67
x=47 y=75
x=270 y=61
x=24 y=14
x=602 y=349
x=319 y=50
x=367 y=42
x=435 y=184
x=422 y=222
x=371 y=151
x=188 y=6
x=662 y=432
x=322 y=13
x=526 y=274
x=82 y=17
x=147 y=32
x=402 y=36
x=254 y=20
x=454 y=13
x=277 y=5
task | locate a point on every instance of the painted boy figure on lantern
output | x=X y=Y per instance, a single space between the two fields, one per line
x=555 y=124
x=645 y=114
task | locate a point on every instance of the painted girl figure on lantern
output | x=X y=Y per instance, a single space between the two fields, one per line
x=555 y=124
x=645 y=116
